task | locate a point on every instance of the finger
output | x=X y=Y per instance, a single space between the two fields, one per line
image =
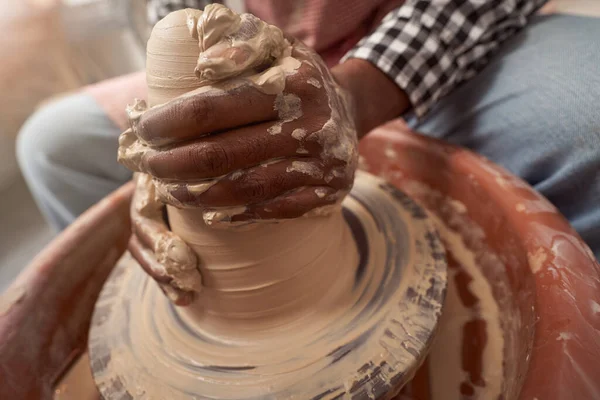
x=218 y=155
x=258 y=184
x=148 y=263
x=169 y=253
x=165 y=253
x=145 y=202
x=203 y=112
x=291 y=205
x=176 y=296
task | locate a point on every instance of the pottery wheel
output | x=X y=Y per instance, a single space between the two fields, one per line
x=366 y=351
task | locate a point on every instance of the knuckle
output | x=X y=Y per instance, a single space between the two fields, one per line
x=299 y=81
x=299 y=85
x=254 y=150
x=212 y=159
x=203 y=110
x=308 y=69
x=317 y=122
x=253 y=188
x=319 y=135
x=314 y=98
x=282 y=182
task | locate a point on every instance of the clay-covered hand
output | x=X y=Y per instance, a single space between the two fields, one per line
x=162 y=254
x=267 y=134
x=278 y=155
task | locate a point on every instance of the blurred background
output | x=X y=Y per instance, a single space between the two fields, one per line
x=49 y=48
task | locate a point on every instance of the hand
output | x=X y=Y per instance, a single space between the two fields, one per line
x=151 y=234
x=278 y=155
x=162 y=254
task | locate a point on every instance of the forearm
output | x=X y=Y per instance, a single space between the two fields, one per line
x=375 y=96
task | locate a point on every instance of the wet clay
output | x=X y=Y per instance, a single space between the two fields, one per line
x=255 y=277
x=341 y=301
x=182 y=47
x=77 y=384
x=470 y=330
x=256 y=281
x=212 y=52
x=475 y=340
x=363 y=339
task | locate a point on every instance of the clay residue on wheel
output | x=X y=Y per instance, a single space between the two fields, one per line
x=338 y=332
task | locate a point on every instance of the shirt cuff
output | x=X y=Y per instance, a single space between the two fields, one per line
x=413 y=57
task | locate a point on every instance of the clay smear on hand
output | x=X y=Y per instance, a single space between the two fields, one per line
x=230 y=50
x=212 y=52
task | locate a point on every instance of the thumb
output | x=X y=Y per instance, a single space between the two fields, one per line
x=223 y=61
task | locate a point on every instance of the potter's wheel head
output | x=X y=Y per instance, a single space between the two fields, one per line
x=368 y=350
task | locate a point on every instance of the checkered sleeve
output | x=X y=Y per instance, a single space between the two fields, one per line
x=429 y=47
x=158 y=9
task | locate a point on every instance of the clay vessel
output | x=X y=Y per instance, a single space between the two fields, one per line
x=550 y=300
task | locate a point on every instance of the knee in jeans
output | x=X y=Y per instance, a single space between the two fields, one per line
x=44 y=138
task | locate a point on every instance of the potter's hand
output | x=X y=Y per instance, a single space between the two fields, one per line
x=269 y=129
x=162 y=254
x=279 y=155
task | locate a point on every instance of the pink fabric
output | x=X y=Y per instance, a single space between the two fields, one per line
x=113 y=95
x=331 y=27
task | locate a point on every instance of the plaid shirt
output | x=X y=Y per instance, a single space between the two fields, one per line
x=428 y=47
